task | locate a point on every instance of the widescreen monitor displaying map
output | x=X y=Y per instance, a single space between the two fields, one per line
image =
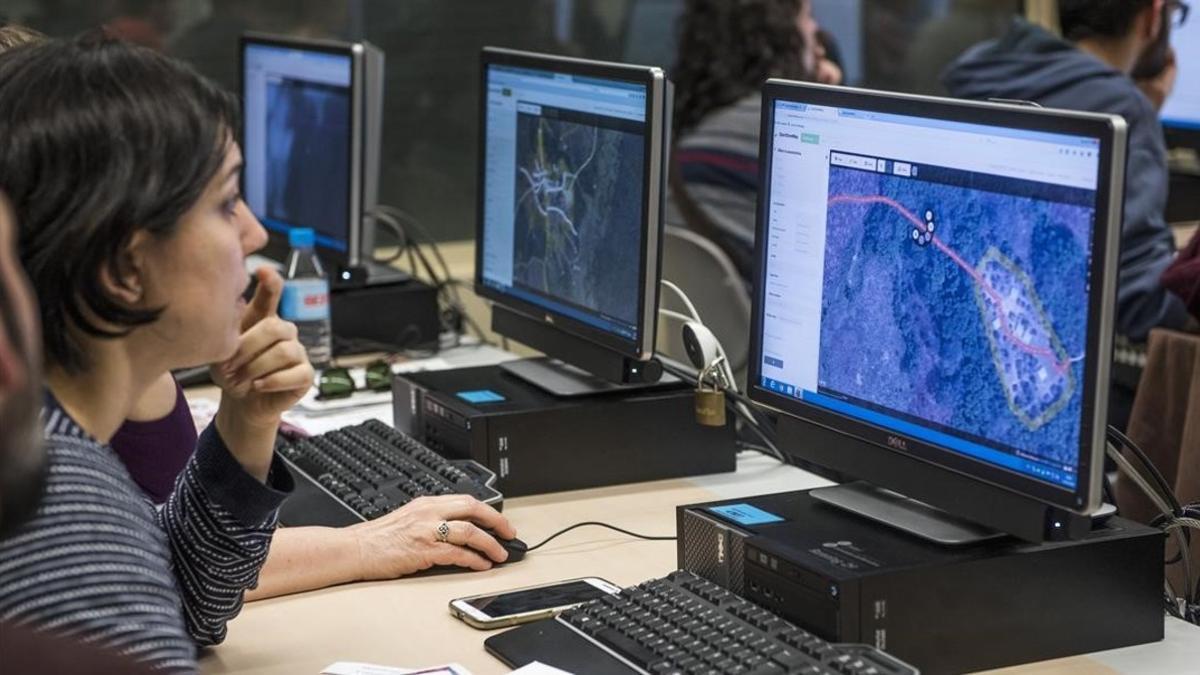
x=937 y=279
x=569 y=194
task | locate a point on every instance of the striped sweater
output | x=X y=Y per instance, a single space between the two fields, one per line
x=100 y=564
x=718 y=163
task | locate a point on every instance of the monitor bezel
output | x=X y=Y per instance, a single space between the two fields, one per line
x=1182 y=135
x=654 y=80
x=356 y=53
x=1086 y=497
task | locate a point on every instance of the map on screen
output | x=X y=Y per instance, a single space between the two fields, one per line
x=959 y=300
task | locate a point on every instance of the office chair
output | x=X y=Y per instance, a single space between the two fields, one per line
x=706 y=274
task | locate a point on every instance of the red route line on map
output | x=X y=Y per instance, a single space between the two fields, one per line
x=1043 y=352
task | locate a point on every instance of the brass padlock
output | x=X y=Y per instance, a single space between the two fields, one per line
x=709 y=397
x=710 y=406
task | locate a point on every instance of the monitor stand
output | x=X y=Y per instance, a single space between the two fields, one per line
x=567 y=381
x=904 y=513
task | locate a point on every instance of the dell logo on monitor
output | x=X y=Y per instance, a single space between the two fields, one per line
x=897 y=443
x=549 y=319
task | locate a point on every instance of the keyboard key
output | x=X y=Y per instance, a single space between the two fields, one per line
x=767 y=668
x=629 y=649
x=789 y=658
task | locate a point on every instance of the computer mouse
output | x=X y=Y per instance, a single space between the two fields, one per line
x=515 y=547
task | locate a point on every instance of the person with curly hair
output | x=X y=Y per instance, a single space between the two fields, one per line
x=726 y=51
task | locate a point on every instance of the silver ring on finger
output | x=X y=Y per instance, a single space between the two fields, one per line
x=443 y=532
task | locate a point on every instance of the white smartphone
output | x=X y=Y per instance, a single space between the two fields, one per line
x=497 y=610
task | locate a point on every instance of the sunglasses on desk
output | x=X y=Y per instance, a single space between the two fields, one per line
x=336 y=382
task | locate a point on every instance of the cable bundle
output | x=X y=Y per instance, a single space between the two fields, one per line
x=1175 y=519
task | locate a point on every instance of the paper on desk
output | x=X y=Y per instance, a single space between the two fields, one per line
x=539 y=668
x=353 y=668
x=203 y=411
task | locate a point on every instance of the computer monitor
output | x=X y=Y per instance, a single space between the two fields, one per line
x=1181 y=112
x=311 y=135
x=571 y=176
x=935 y=294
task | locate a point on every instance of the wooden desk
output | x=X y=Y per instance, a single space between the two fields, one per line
x=406 y=622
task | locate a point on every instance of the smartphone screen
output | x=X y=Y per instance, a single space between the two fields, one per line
x=533 y=599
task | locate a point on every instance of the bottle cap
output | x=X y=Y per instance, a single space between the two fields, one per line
x=302 y=237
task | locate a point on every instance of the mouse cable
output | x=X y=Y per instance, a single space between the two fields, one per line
x=598 y=524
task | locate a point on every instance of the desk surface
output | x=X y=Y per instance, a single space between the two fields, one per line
x=406 y=623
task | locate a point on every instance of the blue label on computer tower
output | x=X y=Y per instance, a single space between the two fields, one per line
x=480 y=396
x=744 y=514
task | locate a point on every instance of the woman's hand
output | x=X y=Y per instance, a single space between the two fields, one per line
x=267 y=375
x=406 y=540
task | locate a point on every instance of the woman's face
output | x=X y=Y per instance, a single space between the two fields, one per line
x=199 y=274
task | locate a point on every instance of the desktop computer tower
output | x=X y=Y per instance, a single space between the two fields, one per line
x=538 y=443
x=943 y=609
x=396 y=316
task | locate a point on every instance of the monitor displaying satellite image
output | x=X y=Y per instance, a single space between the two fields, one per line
x=959 y=300
x=578 y=209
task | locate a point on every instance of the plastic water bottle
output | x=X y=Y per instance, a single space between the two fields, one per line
x=305 y=300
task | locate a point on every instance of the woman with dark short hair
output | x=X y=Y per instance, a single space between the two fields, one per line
x=122 y=171
x=726 y=51
x=123 y=175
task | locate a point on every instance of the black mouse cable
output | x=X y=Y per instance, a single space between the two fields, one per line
x=598 y=524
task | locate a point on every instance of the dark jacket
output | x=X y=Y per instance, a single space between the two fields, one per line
x=1031 y=64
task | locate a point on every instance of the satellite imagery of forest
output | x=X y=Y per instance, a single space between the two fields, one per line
x=579 y=213
x=959 y=306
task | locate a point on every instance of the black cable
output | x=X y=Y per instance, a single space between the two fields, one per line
x=424 y=234
x=597 y=523
x=1107 y=488
x=1124 y=442
x=444 y=284
x=1164 y=521
x=397 y=229
x=471 y=324
x=733 y=397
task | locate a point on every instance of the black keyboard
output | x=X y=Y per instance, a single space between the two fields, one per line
x=364 y=471
x=684 y=624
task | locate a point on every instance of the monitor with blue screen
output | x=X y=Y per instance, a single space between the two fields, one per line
x=1182 y=108
x=570 y=183
x=936 y=279
x=311 y=132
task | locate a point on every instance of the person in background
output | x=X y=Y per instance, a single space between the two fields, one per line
x=1090 y=68
x=726 y=51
